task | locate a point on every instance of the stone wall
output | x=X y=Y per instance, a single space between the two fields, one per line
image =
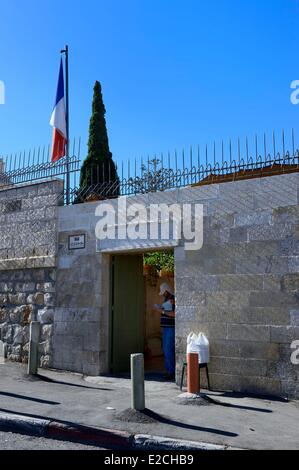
x=242 y=288
x=26 y=295
x=28 y=247
x=81 y=333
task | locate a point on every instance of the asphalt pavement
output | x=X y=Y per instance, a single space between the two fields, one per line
x=13 y=441
x=238 y=421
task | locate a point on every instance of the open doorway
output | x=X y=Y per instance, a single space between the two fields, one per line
x=135 y=324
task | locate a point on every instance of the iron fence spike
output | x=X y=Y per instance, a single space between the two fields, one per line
x=274 y=146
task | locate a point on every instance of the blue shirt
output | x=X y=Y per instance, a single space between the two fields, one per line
x=168 y=306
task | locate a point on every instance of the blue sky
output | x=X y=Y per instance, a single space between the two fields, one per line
x=174 y=72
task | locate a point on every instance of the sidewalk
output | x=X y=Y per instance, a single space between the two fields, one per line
x=66 y=398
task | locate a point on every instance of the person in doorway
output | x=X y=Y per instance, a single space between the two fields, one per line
x=167 y=310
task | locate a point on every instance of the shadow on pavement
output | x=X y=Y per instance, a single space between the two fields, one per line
x=179 y=424
x=24 y=397
x=238 y=395
x=44 y=378
x=238 y=407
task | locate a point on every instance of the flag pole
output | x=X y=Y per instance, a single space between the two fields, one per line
x=66 y=55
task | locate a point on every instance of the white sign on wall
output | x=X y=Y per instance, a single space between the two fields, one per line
x=76 y=242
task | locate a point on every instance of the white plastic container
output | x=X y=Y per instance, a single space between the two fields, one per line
x=199 y=344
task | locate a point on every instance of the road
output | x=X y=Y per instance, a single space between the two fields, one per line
x=12 y=441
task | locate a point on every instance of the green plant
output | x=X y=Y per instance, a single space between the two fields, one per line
x=160 y=260
x=153 y=177
x=98 y=168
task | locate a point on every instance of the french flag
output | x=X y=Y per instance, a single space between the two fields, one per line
x=58 y=121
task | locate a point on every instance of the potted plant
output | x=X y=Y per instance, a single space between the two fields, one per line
x=160 y=263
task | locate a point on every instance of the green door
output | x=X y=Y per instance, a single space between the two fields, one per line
x=127 y=310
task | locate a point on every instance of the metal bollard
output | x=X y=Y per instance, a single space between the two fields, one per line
x=33 y=348
x=137 y=382
x=192 y=373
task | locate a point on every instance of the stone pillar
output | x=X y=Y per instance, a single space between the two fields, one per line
x=33 y=348
x=2 y=352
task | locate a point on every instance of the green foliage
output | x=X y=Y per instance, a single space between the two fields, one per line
x=153 y=177
x=160 y=260
x=98 y=167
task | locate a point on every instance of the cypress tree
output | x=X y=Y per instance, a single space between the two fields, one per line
x=98 y=168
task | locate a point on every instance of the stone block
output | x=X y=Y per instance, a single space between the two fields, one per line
x=289 y=247
x=258 y=217
x=293 y=264
x=49 y=300
x=264 y=316
x=270 y=232
x=48 y=287
x=6 y=287
x=224 y=382
x=286 y=215
x=25 y=287
x=257 y=333
x=5 y=241
x=289 y=389
x=214 y=266
x=222 y=314
x=18 y=335
x=271 y=298
x=211 y=330
x=190 y=298
x=239 y=366
x=284 y=334
x=262 y=265
x=283 y=369
x=238 y=234
x=44 y=348
x=240 y=282
x=17 y=217
x=36 y=299
x=186 y=313
x=17 y=299
x=68 y=346
x=225 y=348
x=197 y=283
x=260 y=385
x=46 y=332
x=272 y=282
x=92 y=370
x=259 y=350
x=45 y=315
x=65 y=262
x=294 y=314
x=290 y=282
x=231 y=201
x=39 y=201
x=4 y=315
x=61 y=327
x=46 y=361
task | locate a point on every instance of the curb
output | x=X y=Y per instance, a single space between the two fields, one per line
x=145 y=442
x=107 y=438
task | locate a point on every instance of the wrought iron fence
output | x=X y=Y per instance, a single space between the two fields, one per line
x=160 y=173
